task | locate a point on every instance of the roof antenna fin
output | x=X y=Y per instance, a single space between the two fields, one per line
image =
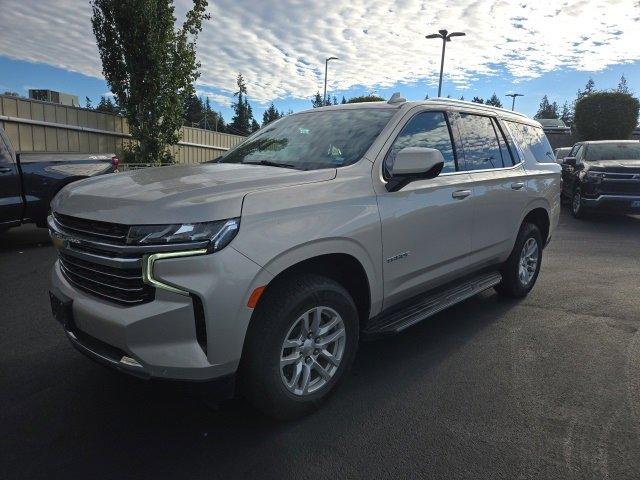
x=396 y=98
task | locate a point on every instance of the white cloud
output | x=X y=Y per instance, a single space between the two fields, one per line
x=280 y=45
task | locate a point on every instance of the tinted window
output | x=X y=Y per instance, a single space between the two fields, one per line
x=613 y=151
x=533 y=142
x=428 y=130
x=5 y=153
x=481 y=147
x=507 y=160
x=313 y=140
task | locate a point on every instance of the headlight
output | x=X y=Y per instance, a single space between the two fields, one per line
x=594 y=176
x=219 y=234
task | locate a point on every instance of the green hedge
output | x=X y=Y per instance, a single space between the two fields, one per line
x=606 y=116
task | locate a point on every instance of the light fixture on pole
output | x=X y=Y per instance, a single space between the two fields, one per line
x=446 y=37
x=326 y=64
x=514 y=95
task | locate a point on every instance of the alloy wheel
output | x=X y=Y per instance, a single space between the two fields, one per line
x=312 y=350
x=528 y=261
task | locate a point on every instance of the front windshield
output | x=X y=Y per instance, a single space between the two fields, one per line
x=613 y=151
x=313 y=140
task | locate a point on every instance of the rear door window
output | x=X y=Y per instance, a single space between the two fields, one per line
x=480 y=142
x=532 y=142
x=5 y=152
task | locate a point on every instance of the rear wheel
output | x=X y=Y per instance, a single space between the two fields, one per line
x=300 y=344
x=520 y=271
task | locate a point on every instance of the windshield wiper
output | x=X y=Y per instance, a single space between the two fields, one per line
x=269 y=163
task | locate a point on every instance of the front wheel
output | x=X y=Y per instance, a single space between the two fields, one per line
x=577 y=209
x=300 y=344
x=520 y=271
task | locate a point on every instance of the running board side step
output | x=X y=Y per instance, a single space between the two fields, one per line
x=427 y=306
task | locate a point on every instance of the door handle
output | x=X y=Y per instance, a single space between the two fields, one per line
x=517 y=185
x=460 y=194
x=6 y=169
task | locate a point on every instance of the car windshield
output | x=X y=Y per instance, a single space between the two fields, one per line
x=613 y=151
x=313 y=140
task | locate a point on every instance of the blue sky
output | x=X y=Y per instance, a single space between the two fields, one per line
x=280 y=46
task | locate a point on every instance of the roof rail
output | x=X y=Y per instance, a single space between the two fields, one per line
x=453 y=101
x=396 y=98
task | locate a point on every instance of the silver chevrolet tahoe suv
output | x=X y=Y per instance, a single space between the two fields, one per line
x=261 y=271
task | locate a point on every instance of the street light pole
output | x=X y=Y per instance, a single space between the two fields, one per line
x=326 y=65
x=514 y=95
x=446 y=37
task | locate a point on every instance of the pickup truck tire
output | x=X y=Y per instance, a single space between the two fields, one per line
x=520 y=271
x=577 y=209
x=301 y=342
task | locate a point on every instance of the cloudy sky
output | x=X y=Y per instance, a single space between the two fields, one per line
x=532 y=47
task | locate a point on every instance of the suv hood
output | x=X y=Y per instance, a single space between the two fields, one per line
x=614 y=166
x=176 y=194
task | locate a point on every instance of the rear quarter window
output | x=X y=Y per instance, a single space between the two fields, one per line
x=532 y=142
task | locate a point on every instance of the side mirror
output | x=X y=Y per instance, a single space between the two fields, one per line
x=569 y=161
x=415 y=163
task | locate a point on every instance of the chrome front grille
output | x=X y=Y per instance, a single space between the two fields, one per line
x=94 y=258
x=91 y=229
x=120 y=285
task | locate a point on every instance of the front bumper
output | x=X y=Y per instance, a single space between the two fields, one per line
x=158 y=339
x=620 y=203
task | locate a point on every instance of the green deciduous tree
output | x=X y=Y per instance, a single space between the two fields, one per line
x=606 y=116
x=150 y=66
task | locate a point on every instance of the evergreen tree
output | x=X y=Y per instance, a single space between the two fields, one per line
x=462 y=98
x=426 y=97
x=546 y=109
x=317 y=101
x=567 y=115
x=106 y=105
x=241 y=122
x=193 y=110
x=255 y=126
x=589 y=88
x=477 y=100
x=270 y=114
x=344 y=100
x=87 y=102
x=494 y=101
x=622 y=86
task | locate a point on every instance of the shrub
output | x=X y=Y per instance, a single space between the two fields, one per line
x=606 y=116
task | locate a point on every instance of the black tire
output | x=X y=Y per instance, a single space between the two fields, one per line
x=282 y=305
x=577 y=209
x=511 y=284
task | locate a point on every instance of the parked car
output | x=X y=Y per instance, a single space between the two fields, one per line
x=28 y=182
x=264 y=270
x=554 y=125
x=561 y=152
x=604 y=176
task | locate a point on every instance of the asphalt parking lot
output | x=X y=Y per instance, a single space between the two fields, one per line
x=547 y=387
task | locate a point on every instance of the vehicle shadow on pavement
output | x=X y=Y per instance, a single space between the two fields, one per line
x=121 y=427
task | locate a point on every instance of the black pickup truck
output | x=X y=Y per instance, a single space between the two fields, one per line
x=28 y=182
x=603 y=176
